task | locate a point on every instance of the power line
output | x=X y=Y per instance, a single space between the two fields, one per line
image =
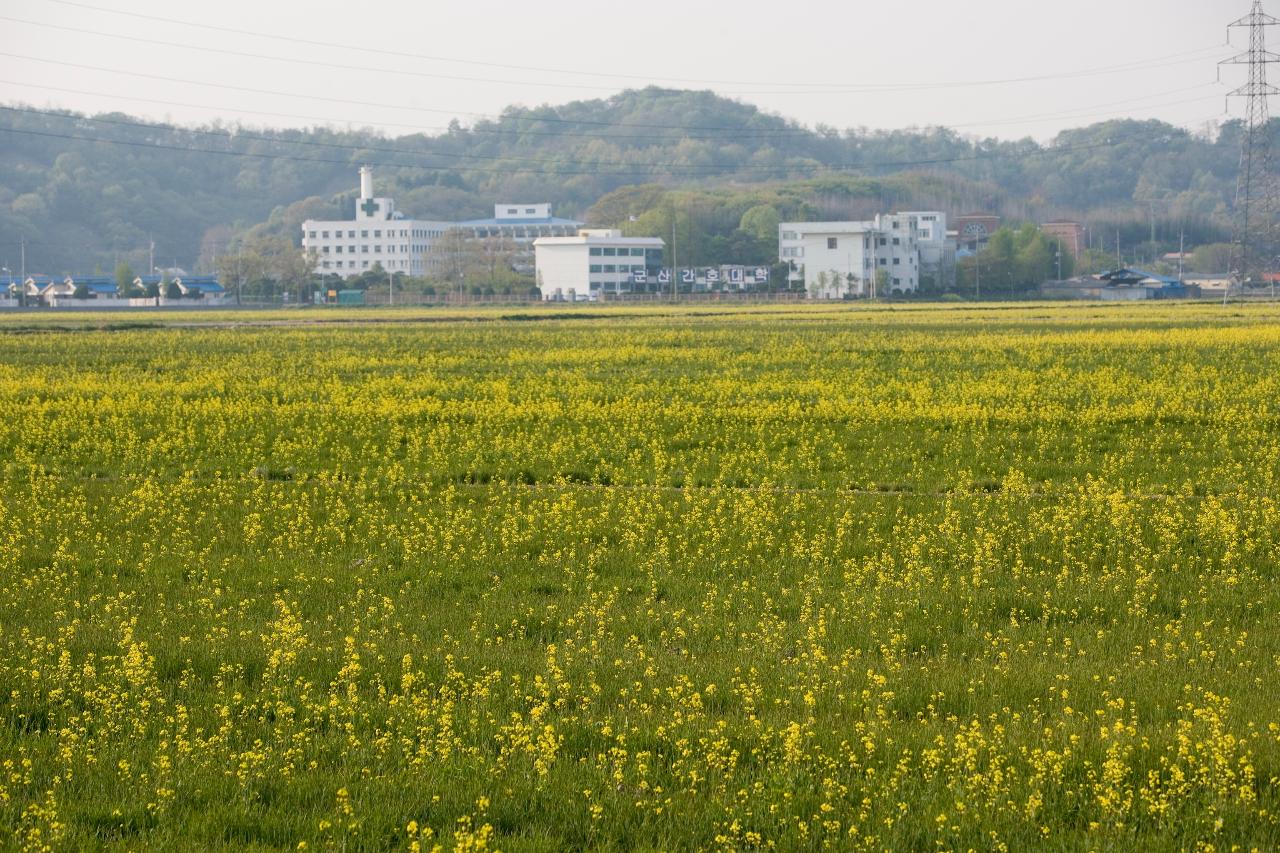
x=824 y=86
x=652 y=169
x=527 y=116
x=363 y=147
x=1079 y=112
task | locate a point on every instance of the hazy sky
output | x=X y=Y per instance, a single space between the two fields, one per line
x=415 y=65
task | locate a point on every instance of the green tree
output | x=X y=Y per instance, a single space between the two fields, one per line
x=124 y=277
x=1212 y=258
x=762 y=223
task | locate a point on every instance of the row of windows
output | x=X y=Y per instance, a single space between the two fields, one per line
x=404 y=248
x=377 y=233
x=615 y=268
x=364 y=265
x=834 y=243
x=609 y=252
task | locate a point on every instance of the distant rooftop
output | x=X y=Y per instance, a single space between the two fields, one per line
x=514 y=221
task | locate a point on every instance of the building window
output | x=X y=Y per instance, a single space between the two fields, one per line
x=337 y=249
x=610 y=268
x=377 y=233
x=883 y=241
x=832 y=243
x=326 y=250
x=897 y=241
x=325 y=265
x=365 y=265
x=325 y=234
x=350 y=234
x=897 y=261
x=596 y=268
x=377 y=249
x=610 y=252
x=883 y=262
x=530 y=210
x=789 y=235
x=311 y=235
x=596 y=252
x=897 y=281
x=364 y=234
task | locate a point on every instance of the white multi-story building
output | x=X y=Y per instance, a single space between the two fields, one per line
x=937 y=250
x=859 y=259
x=597 y=262
x=378 y=235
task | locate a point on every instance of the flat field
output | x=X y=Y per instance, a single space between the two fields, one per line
x=729 y=578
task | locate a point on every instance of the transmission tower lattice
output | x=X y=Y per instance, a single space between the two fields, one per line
x=1257 y=210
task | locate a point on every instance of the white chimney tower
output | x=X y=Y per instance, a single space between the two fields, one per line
x=366 y=182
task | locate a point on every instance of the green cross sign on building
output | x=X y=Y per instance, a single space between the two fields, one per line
x=370 y=207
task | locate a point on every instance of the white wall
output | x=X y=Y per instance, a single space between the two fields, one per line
x=562 y=270
x=850 y=255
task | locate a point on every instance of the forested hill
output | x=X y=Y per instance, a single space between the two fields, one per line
x=86 y=191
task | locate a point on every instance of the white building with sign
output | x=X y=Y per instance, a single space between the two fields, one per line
x=378 y=235
x=595 y=263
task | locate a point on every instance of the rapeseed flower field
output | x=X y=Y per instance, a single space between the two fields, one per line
x=791 y=578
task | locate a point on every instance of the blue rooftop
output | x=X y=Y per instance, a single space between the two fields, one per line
x=480 y=223
x=203 y=286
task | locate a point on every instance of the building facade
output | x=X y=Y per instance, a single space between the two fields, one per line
x=1071 y=236
x=379 y=235
x=597 y=263
x=974 y=230
x=837 y=260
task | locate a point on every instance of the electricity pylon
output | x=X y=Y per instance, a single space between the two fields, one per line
x=1257 y=210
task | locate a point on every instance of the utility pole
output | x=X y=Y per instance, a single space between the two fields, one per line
x=1152 y=203
x=675 y=268
x=1256 y=191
